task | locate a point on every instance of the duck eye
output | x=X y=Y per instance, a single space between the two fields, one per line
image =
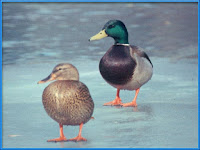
x=60 y=69
x=111 y=26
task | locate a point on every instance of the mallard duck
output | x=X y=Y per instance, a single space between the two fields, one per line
x=67 y=100
x=123 y=66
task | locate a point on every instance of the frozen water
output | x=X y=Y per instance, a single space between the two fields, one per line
x=37 y=36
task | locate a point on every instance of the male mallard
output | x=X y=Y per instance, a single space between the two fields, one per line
x=123 y=66
x=67 y=100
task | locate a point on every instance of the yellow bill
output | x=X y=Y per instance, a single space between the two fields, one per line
x=98 y=36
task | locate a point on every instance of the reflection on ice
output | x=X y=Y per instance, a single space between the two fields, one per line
x=37 y=36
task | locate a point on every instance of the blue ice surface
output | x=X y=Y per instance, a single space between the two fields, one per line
x=100 y=1
x=46 y=34
x=1 y=72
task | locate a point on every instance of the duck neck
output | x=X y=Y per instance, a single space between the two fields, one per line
x=122 y=39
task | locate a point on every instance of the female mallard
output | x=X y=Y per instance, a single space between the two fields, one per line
x=124 y=66
x=67 y=100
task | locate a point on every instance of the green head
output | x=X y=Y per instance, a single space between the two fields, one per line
x=115 y=29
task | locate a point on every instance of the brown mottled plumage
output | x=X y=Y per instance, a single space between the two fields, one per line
x=67 y=100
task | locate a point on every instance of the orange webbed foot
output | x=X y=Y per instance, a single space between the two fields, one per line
x=78 y=138
x=60 y=139
x=115 y=102
x=131 y=104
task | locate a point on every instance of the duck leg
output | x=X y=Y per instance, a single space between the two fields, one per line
x=116 y=101
x=133 y=103
x=79 y=137
x=61 y=138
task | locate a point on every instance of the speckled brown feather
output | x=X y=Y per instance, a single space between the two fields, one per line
x=68 y=102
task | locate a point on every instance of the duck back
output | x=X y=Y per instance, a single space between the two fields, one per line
x=68 y=102
x=117 y=65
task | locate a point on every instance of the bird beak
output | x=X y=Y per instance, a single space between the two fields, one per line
x=49 y=78
x=98 y=36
